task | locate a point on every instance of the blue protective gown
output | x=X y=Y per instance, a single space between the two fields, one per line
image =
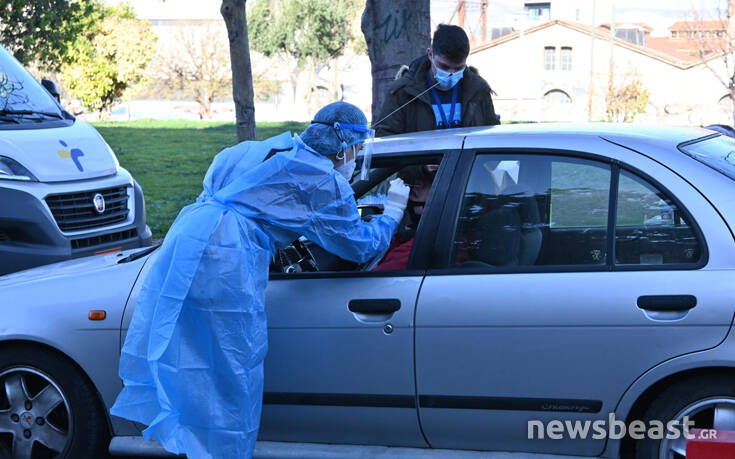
x=192 y=362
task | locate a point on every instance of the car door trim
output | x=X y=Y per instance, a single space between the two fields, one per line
x=323 y=399
x=563 y=405
x=510 y=403
x=345 y=274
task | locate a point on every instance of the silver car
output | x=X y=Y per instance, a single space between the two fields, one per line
x=559 y=275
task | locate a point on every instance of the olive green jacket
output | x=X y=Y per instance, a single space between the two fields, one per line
x=477 y=102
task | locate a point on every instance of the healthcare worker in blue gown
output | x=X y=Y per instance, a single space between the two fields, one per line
x=192 y=362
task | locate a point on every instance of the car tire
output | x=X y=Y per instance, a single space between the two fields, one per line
x=697 y=398
x=51 y=403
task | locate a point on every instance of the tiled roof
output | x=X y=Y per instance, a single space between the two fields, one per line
x=682 y=49
x=698 y=25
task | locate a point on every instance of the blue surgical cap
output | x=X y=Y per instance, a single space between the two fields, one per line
x=324 y=137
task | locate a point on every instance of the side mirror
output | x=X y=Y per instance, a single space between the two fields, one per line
x=51 y=88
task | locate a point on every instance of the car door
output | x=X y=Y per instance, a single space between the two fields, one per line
x=534 y=312
x=340 y=364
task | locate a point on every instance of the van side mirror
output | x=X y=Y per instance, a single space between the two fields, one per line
x=51 y=88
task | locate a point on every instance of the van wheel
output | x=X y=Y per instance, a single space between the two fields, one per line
x=47 y=408
x=709 y=402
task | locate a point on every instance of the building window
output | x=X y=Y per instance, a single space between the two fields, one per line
x=633 y=35
x=566 y=58
x=557 y=96
x=538 y=11
x=549 y=58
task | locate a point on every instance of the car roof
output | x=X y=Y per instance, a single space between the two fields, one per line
x=451 y=139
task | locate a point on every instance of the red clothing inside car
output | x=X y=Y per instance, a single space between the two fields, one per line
x=396 y=258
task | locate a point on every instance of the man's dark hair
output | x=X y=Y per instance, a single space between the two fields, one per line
x=451 y=42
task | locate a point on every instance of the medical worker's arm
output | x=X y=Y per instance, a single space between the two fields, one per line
x=337 y=227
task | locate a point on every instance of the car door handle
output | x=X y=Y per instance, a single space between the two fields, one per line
x=667 y=302
x=375 y=306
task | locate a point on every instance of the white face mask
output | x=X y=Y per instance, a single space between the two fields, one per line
x=347 y=169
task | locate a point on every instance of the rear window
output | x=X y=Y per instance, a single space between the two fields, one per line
x=717 y=152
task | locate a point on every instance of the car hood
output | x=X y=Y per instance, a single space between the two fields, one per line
x=76 y=152
x=100 y=269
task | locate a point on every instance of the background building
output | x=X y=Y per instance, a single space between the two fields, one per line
x=555 y=78
x=559 y=73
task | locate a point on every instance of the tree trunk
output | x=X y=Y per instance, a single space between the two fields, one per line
x=205 y=106
x=233 y=12
x=396 y=32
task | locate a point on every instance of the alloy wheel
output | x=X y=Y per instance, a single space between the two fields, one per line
x=711 y=413
x=35 y=417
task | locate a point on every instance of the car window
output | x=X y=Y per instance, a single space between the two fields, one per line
x=533 y=210
x=580 y=192
x=718 y=153
x=305 y=256
x=650 y=228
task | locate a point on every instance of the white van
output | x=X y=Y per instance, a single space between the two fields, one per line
x=62 y=192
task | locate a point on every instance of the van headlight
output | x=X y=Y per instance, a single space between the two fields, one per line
x=11 y=169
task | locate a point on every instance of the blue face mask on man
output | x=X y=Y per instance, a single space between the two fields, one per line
x=448 y=80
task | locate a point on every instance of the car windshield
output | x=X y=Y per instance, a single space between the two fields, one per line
x=21 y=96
x=716 y=152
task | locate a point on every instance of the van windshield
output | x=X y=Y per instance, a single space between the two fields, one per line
x=716 y=152
x=22 y=98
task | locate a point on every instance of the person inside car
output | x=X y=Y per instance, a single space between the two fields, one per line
x=420 y=179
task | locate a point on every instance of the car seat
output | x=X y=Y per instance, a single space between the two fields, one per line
x=507 y=228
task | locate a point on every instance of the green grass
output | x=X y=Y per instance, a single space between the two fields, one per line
x=169 y=158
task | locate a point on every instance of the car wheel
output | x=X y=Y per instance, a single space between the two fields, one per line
x=47 y=408
x=709 y=402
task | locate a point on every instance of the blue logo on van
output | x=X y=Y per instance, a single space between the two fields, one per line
x=74 y=154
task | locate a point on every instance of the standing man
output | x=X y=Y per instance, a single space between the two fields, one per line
x=460 y=96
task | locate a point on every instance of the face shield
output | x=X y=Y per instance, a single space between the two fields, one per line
x=367 y=155
x=366 y=138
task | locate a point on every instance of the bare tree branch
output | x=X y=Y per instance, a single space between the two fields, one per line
x=713 y=41
x=196 y=66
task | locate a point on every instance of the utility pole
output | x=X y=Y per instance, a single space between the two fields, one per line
x=591 y=91
x=611 y=82
x=462 y=12
x=483 y=18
